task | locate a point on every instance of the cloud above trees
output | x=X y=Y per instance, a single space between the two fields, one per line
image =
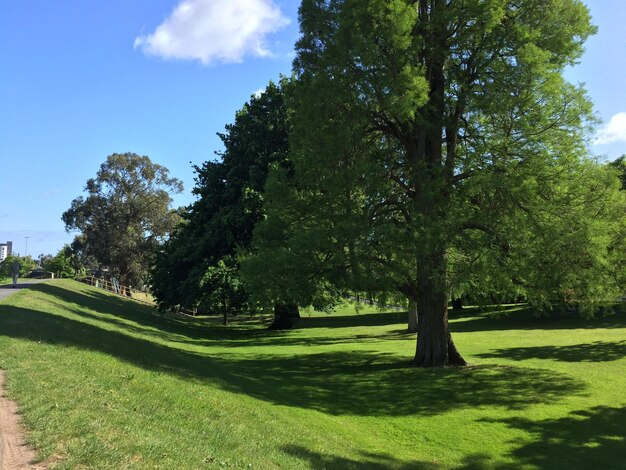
x=613 y=131
x=215 y=31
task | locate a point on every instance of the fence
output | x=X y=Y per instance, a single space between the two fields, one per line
x=116 y=288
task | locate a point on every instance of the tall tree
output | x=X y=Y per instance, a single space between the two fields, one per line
x=197 y=268
x=125 y=216
x=436 y=144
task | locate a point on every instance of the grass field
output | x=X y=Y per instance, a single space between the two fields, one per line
x=103 y=382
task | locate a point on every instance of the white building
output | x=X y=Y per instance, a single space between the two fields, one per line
x=6 y=249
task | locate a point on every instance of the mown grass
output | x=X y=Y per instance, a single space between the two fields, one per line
x=104 y=382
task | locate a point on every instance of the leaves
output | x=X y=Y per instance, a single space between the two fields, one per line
x=197 y=268
x=125 y=216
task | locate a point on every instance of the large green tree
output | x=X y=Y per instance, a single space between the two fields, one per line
x=125 y=216
x=438 y=149
x=198 y=267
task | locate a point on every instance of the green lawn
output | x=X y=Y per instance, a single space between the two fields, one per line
x=104 y=382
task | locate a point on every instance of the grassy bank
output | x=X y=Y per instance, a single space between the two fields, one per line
x=104 y=382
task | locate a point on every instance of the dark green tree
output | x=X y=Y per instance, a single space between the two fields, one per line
x=125 y=216
x=438 y=150
x=197 y=267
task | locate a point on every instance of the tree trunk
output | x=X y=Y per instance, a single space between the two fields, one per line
x=457 y=304
x=225 y=307
x=434 y=341
x=284 y=315
x=412 y=317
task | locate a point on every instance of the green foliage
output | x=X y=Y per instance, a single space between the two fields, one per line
x=438 y=150
x=618 y=244
x=125 y=217
x=222 y=289
x=229 y=204
x=619 y=166
x=26 y=265
x=63 y=264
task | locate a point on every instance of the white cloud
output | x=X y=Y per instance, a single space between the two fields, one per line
x=259 y=92
x=215 y=31
x=614 y=131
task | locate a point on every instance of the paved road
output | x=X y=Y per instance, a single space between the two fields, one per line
x=8 y=289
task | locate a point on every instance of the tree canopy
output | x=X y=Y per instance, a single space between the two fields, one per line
x=438 y=150
x=63 y=264
x=125 y=216
x=198 y=267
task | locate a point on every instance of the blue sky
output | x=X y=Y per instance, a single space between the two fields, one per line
x=81 y=79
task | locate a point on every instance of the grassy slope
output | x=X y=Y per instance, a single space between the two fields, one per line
x=105 y=383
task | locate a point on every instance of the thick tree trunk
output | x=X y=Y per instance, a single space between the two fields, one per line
x=435 y=346
x=457 y=304
x=434 y=341
x=412 y=317
x=284 y=315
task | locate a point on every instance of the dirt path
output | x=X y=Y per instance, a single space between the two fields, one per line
x=14 y=453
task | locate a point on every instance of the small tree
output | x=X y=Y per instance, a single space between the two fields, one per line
x=62 y=265
x=223 y=289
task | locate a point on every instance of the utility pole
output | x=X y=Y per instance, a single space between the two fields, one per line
x=26 y=254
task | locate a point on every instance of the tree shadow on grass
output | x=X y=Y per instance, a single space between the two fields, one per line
x=142 y=319
x=586 y=439
x=120 y=311
x=337 y=383
x=202 y=332
x=525 y=320
x=352 y=321
x=588 y=352
x=367 y=461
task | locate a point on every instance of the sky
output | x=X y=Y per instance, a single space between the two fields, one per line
x=82 y=79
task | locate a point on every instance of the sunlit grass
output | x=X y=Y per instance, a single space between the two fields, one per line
x=104 y=382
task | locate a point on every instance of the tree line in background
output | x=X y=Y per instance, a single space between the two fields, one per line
x=422 y=151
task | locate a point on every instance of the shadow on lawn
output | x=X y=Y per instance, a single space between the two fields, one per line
x=368 y=460
x=123 y=312
x=524 y=319
x=594 y=438
x=142 y=319
x=202 y=332
x=338 y=383
x=588 y=352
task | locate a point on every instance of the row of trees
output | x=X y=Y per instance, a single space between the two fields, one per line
x=423 y=150
x=64 y=264
x=25 y=263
